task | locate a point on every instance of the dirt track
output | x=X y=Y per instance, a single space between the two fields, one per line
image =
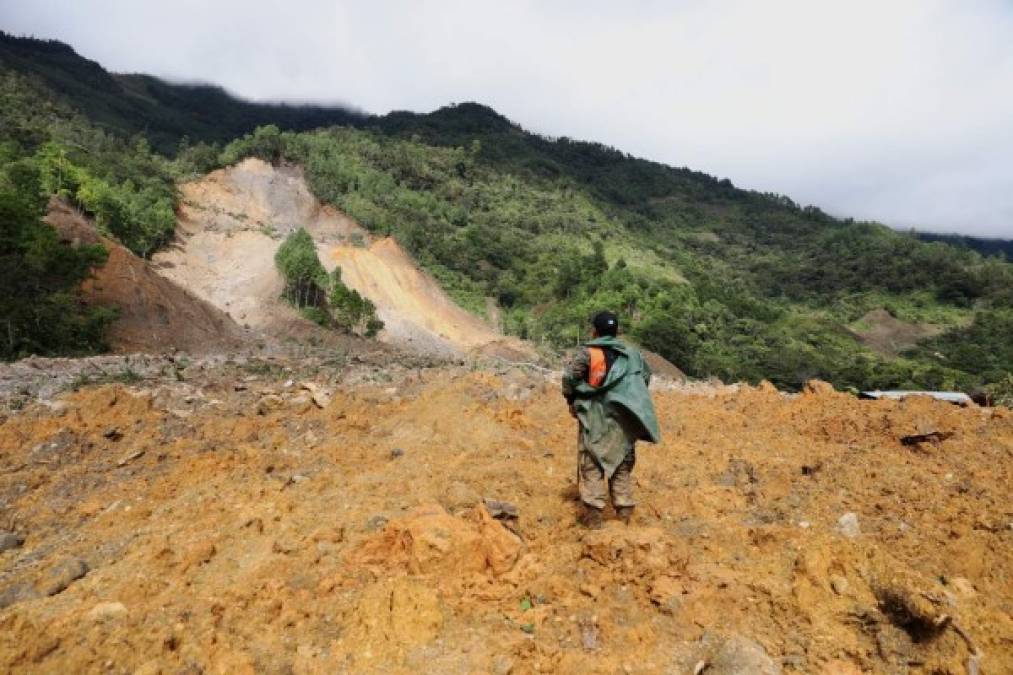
x=253 y=531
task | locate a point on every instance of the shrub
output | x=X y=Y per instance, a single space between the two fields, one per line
x=350 y=310
x=305 y=278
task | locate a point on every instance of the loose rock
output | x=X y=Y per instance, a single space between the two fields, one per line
x=376 y=522
x=502 y=665
x=459 y=496
x=501 y=510
x=269 y=403
x=847 y=525
x=9 y=540
x=62 y=575
x=17 y=593
x=839 y=584
x=107 y=610
x=742 y=656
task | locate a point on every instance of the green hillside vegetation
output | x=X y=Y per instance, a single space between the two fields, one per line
x=39 y=276
x=322 y=298
x=759 y=288
x=722 y=281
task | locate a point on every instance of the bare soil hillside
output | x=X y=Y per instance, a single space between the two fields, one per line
x=412 y=305
x=882 y=332
x=232 y=223
x=241 y=518
x=155 y=314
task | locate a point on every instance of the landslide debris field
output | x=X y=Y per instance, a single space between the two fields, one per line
x=290 y=516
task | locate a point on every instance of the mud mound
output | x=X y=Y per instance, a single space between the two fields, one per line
x=429 y=540
x=663 y=367
x=882 y=332
x=235 y=525
x=155 y=315
x=232 y=223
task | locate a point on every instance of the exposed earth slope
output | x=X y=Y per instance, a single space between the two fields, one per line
x=232 y=223
x=415 y=310
x=231 y=519
x=153 y=313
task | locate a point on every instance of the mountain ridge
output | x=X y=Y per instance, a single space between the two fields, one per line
x=722 y=281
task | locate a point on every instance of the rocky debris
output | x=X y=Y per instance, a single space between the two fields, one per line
x=666 y=592
x=805 y=594
x=269 y=403
x=839 y=667
x=839 y=584
x=502 y=665
x=589 y=635
x=501 y=510
x=17 y=593
x=10 y=540
x=107 y=610
x=716 y=655
x=126 y=459
x=740 y=474
x=459 y=496
x=962 y=587
x=741 y=656
x=636 y=549
x=376 y=522
x=430 y=540
x=60 y=576
x=910 y=608
x=396 y=453
x=934 y=437
x=847 y=525
x=321 y=397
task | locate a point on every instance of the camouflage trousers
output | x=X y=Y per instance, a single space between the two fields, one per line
x=595 y=489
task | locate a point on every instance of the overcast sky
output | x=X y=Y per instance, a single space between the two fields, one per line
x=898 y=110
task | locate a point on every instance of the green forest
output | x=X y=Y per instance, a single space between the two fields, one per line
x=721 y=281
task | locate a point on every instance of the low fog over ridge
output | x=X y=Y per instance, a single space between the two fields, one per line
x=896 y=112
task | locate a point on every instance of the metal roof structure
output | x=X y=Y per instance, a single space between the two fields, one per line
x=956 y=397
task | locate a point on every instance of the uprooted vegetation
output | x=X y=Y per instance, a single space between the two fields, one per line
x=312 y=518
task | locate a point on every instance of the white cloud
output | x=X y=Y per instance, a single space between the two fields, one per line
x=897 y=111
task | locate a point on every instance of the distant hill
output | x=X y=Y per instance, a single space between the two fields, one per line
x=983 y=245
x=718 y=280
x=164 y=112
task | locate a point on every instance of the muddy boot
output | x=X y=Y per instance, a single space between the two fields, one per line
x=590 y=517
x=624 y=513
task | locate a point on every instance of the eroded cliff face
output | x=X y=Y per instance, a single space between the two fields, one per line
x=232 y=222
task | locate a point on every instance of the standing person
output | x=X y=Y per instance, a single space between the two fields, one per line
x=605 y=385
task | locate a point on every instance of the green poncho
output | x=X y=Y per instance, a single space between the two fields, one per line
x=620 y=411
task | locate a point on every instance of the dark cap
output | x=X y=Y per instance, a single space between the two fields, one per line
x=606 y=323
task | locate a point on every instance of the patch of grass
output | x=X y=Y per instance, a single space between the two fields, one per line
x=126 y=375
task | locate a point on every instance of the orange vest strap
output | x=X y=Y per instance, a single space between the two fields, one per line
x=599 y=367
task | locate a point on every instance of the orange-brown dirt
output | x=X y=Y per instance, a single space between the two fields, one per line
x=154 y=314
x=245 y=523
